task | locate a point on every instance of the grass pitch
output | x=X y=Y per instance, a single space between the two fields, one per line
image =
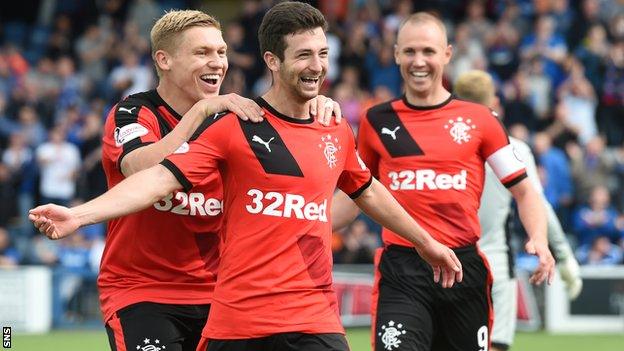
x=358 y=339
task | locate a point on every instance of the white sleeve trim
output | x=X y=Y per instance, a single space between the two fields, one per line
x=505 y=162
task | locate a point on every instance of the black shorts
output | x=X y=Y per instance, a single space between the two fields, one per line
x=412 y=311
x=176 y=327
x=283 y=342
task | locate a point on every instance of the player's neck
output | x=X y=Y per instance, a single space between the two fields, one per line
x=430 y=99
x=287 y=105
x=174 y=98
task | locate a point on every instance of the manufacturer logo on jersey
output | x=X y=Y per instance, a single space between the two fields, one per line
x=127 y=110
x=427 y=179
x=126 y=133
x=330 y=149
x=257 y=139
x=390 y=335
x=184 y=148
x=389 y=132
x=460 y=129
x=148 y=346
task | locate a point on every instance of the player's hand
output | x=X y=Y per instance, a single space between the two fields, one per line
x=444 y=263
x=323 y=108
x=54 y=221
x=246 y=109
x=571 y=276
x=546 y=267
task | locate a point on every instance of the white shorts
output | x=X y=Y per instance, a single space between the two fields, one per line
x=504 y=298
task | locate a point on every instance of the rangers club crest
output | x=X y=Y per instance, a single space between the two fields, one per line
x=390 y=336
x=148 y=346
x=328 y=144
x=460 y=129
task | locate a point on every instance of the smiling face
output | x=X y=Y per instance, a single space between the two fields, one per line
x=421 y=52
x=303 y=69
x=197 y=64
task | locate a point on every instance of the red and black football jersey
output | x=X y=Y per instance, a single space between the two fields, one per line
x=276 y=261
x=167 y=253
x=432 y=160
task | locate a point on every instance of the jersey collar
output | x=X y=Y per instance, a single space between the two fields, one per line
x=260 y=101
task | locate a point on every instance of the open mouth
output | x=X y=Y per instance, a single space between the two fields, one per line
x=310 y=80
x=212 y=79
x=419 y=74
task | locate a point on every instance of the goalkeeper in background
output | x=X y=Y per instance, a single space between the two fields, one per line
x=477 y=86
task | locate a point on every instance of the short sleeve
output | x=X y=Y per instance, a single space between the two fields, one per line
x=355 y=176
x=129 y=126
x=199 y=158
x=499 y=153
x=365 y=147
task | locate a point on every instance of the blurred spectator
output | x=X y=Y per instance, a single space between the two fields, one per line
x=72 y=84
x=597 y=218
x=502 y=50
x=556 y=176
x=563 y=16
x=143 y=14
x=59 y=162
x=578 y=101
x=60 y=41
x=8 y=206
x=349 y=95
x=600 y=252
x=130 y=77
x=9 y=256
x=547 y=46
x=588 y=16
x=591 y=167
x=613 y=96
x=382 y=70
x=468 y=53
x=92 y=48
x=358 y=244
x=516 y=103
x=28 y=124
x=92 y=180
x=240 y=56
x=477 y=25
x=592 y=53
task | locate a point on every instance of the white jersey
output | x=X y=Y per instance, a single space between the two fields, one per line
x=496 y=205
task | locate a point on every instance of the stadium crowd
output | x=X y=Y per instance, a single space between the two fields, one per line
x=558 y=65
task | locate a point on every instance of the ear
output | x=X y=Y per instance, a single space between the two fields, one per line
x=163 y=60
x=448 y=53
x=396 y=54
x=272 y=61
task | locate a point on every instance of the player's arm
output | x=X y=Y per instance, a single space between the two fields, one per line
x=533 y=218
x=133 y=194
x=149 y=155
x=568 y=266
x=344 y=211
x=377 y=202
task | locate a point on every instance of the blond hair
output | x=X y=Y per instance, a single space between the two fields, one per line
x=164 y=34
x=476 y=86
x=422 y=18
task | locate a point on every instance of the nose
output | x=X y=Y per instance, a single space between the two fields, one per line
x=419 y=60
x=316 y=64
x=216 y=61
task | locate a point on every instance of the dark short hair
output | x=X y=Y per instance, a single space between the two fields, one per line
x=285 y=18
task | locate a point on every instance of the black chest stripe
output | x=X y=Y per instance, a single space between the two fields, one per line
x=391 y=131
x=270 y=149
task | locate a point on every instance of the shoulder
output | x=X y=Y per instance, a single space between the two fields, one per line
x=218 y=120
x=378 y=111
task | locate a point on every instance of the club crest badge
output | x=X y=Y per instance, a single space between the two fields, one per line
x=460 y=129
x=328 y=145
